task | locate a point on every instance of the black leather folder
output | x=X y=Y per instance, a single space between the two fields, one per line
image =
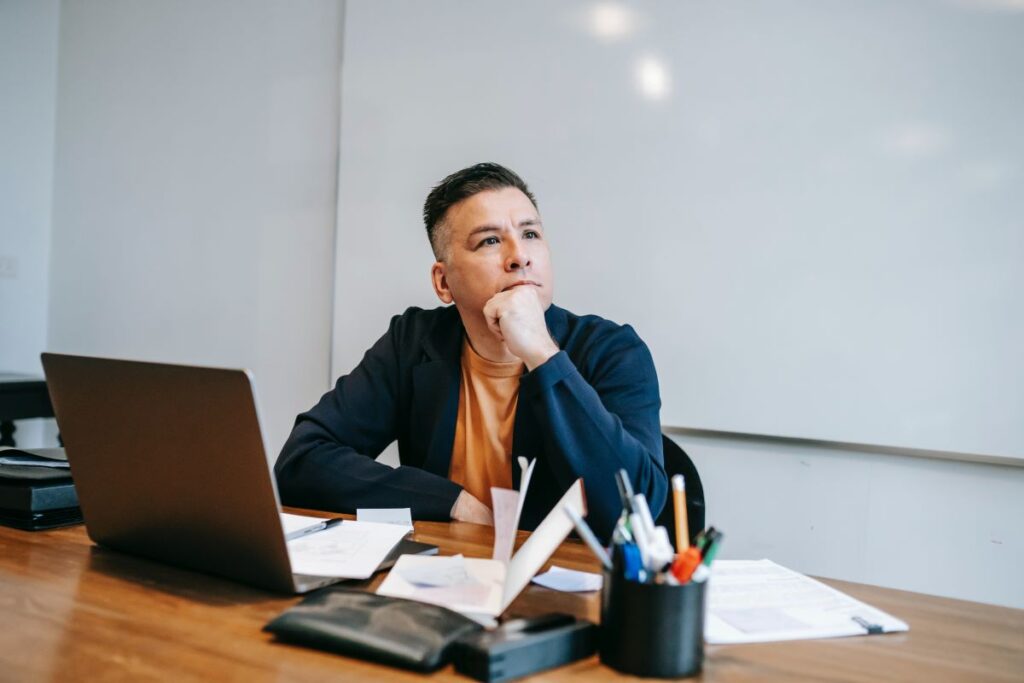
x=403 y=633
x=34 y=497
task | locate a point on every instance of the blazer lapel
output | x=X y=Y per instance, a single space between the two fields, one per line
x=436 y=390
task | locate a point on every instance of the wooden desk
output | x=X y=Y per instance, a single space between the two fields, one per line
x=73 y=611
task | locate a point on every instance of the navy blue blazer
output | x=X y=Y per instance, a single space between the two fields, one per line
x=589 y=410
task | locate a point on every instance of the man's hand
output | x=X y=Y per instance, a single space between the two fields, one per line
x=516 y=317
x=468 y=509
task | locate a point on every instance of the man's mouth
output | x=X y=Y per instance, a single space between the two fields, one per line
x=518 y=283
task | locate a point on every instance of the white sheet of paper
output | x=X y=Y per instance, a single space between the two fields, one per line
x=397 y=516
x=526 y=469
x=444 y=571
x=504 y=502
x=569 y=580
x=757 y=601
x=28 y=461
x=501 y=582
x=507 y=507
x=480 y=594
x=544 y=540
x=351 y=549
x=295 y=525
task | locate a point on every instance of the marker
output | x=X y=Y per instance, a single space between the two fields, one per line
x=661 y=551
x=640 y=507
x=679 y=502
x=711 y=545
x=632 y=564
x=685 y=564
x=587 y=534
x=622 y=533
x=703 y=571
x=643 y=542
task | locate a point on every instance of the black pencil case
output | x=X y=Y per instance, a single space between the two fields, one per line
x=402 y=633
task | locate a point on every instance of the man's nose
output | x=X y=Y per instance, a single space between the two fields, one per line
x=516 y=258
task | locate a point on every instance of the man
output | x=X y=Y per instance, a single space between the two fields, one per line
x=465 y=389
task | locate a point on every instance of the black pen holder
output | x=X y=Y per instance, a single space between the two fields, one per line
x=652 y=630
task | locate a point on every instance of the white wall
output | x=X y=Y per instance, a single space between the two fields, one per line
x=927 y=525
x=195 y=181
x=724 y=169
x=807 y=209
x=28 y=94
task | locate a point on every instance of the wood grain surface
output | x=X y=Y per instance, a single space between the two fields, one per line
x=73 y=611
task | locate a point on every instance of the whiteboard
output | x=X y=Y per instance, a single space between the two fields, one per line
x=811 y=211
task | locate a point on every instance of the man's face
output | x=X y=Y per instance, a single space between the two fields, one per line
x=495 y=242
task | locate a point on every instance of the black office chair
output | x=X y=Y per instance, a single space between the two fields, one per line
x=678 y=462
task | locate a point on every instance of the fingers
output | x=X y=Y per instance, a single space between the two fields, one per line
x=492 y=314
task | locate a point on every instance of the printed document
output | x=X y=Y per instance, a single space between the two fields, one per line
x=351 y=550
x=758 y=601
x=300 y=525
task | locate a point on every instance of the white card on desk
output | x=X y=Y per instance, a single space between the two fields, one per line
x=351 y=549
x=397 y=516
x=758 y=601
x=569 y=580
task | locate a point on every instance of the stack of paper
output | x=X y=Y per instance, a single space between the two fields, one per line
x=485 y=588
x=757 y=601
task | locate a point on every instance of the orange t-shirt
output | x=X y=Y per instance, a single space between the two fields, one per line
x=482 y=452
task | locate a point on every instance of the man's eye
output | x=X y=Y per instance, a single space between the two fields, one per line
x=531 y=234
x=488 y=241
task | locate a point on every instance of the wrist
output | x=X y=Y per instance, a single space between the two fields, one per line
x=455 y=506
x=541 y=355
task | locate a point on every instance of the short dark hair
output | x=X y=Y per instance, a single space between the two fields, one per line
x=463 y=185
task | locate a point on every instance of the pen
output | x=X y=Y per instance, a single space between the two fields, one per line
x=585 y=532
x=679 y=502
x=625 y=490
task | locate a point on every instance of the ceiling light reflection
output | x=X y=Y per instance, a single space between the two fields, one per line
x=612 y=21
x=653 y=78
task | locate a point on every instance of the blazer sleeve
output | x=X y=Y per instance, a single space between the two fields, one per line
x=600 y=424
x=328 y=461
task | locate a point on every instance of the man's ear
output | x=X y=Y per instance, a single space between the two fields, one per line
x=439 y=278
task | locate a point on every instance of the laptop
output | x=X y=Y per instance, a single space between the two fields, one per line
x=170 y=463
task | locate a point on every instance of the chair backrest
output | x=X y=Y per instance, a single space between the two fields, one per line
x=678 y=462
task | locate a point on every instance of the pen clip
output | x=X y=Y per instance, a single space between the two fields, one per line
x=625 y=490
x=872 y=629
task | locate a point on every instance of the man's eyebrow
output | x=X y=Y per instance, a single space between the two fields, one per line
x=525 y=223
x=483 y=228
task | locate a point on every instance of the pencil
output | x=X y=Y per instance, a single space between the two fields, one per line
x=679 y=502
